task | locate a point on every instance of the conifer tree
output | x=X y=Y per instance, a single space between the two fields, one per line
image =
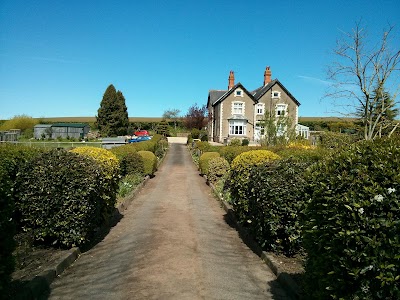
x=112 y=116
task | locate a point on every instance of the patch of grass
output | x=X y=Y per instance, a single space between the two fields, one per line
x=128 y=184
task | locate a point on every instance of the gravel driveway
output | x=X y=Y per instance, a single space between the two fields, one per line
x=172 y=243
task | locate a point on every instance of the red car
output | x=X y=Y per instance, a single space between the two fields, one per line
x=141 y=133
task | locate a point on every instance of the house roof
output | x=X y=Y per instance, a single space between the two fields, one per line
x=227 y=93
x=75 y=125
x=216 y=96
x=258 y=93
x=42 y=126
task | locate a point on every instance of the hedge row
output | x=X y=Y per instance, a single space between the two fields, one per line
x=11 y=157
x=59 y=196
x=149 y=162
x=204 y=161
x=352 y=223
x=343 y=207
x=110 y=171
x=238 y=181
x=130 y=162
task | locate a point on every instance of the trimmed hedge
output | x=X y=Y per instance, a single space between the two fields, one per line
x=218 y=167
x=12 y=157
x=7 y=229
x=276 y=197
x=58 y=197
x=150 y=162
x=239 y=177
x=230 y=152
x=150 y=145
x=130 y=162
x=352 y=224
x=334 y=140
x=205 y=159
x=111 y=174
x=314 y=154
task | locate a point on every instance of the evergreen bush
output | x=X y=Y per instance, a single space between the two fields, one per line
x=149 y=161
x=335 y=140
x=245 y=142
x=58 y=197
x=205 y=159
x=130 y=162
x=235 y=142
x=218 y=167
x=351 y=223
x=230 y=152
x=238 y=180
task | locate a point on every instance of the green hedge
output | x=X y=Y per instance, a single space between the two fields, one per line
x=150 y=162
x=230 y=152
x=130 y=162
x=7 y=229
x=276 y=197
x=334 y=140
x=58 y=196
x=205 y=159
x=218 y=168
x=238 y=180
x=109 y=164
x=12 y=157
x=352 y=224
x=150 y=145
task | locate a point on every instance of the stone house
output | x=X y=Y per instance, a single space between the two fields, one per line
x=238 y=112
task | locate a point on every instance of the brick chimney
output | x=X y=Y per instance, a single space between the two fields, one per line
x=231 y=80
x=267 y=76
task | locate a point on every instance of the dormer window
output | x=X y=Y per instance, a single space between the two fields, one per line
x=238 y=93
x=276 y=94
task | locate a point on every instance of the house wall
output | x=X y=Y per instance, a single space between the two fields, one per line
x=227 y=112
x=217 y=124
x=284 y=98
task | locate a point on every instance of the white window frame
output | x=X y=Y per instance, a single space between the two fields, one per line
x=237 y=127
x=260 y=108
x=240 y=91
x=238 y=108
x=276 y=94
x=279 y=108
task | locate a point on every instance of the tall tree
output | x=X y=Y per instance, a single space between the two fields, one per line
x=112 y=116
x=362 y=71
x=196 y=117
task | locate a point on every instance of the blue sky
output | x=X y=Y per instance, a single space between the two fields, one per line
x=58 y=57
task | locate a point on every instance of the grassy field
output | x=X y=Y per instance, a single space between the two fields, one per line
x=325 y=119
x=93 y=119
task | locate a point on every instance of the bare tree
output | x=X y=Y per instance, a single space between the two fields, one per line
x=172 y=114
x=362 y=72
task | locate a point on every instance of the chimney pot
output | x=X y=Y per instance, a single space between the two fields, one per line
x=231 y=80
x=267 y=75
